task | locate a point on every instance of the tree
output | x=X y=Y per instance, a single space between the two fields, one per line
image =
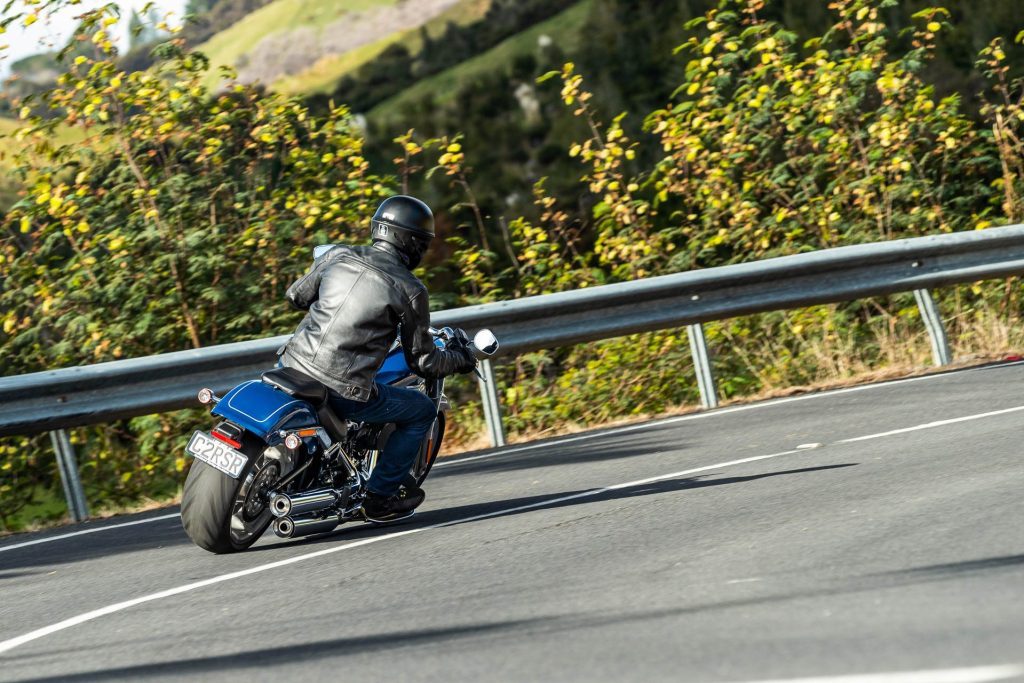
x=178 y=221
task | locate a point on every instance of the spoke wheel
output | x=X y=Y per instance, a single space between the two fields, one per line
x=428 y=453
x=225 y=515
x=251 y=514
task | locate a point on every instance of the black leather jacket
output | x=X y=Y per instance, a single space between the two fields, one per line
x=359 y=299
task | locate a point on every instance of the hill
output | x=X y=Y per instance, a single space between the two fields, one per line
x=562 y=30
x=304 y=46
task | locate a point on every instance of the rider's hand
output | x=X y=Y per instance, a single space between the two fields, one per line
x=469 y=358
x=460 y=337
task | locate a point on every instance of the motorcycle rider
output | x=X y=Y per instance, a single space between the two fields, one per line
x=359 y=299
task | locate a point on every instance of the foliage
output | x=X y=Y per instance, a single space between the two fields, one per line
x=398 y=67
x=771 y=147
x=780 y=151
x=181 y=216
x=178 y=221
x=1003 y=110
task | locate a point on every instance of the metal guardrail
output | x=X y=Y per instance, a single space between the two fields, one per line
x=69 y=397
x=91 y=394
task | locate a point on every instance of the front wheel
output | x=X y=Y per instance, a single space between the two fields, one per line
x=225 y=515
x=428 y=452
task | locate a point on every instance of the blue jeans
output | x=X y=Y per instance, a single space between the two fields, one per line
x=412 y=413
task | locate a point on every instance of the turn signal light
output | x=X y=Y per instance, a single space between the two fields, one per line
x=292 y=441
x=205 y=396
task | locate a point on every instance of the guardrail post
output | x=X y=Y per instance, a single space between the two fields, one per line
x=702 y=364
x=69 y=478
x=933 y=323
x=492 y=408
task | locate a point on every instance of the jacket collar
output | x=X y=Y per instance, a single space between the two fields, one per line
x=393 y=251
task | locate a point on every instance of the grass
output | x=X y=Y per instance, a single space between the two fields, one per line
x=65 y=134
x=562 y=28
x=328 y=71
x=325 y=74
x=46 y=509
x=7 y=144
x=226 y=47
x=9 y=183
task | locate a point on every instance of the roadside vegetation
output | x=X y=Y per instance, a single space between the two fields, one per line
x=179 y=214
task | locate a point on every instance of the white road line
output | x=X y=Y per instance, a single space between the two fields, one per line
x=88 y=531
x=977 y=674
x=12 y=643
x=706 y=414
x=930 y=425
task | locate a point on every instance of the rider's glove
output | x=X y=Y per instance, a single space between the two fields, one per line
x=469 y=364
x=459 y=337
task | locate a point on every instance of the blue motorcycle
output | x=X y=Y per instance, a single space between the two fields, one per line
x=281 y=456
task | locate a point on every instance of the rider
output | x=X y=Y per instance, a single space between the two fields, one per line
x=359 y=299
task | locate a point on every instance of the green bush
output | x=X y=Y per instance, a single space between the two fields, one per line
x=178 y=221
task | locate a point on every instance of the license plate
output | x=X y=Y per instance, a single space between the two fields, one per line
x=216 y=454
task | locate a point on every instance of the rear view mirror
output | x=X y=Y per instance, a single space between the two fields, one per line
x=321 y=249
x=485 y=342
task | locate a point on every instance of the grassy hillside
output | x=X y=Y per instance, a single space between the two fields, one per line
x=228 y=46
x=306 y=46
x=10 y=185
x=325 y=74
x=8 y=144
x=562 y=29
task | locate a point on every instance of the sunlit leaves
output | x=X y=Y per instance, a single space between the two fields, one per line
x=175 y=219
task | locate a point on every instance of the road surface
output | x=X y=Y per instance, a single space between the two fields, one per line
x=866 y=534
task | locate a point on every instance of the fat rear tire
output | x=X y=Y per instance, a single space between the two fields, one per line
x=209 y=502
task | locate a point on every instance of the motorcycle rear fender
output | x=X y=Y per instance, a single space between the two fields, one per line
x=263 y=410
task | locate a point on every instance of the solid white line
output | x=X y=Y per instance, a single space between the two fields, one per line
x=706 y=414
x=977 y=674
x=930 y=425
x=12 y=643
x=88 y=531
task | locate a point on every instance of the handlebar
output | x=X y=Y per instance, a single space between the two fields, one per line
x=483 y=344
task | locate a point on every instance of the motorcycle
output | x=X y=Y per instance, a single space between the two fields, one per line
x=280 y=456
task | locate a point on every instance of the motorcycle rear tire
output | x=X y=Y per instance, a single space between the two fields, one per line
x=208 y=505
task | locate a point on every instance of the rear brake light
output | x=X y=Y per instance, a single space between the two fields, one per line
x=226 y=439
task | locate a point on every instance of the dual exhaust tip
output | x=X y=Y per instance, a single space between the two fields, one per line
x=288 y=527
x=295 y=513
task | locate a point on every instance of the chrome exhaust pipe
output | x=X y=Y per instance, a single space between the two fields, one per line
x=290 y=527
x=285 y=505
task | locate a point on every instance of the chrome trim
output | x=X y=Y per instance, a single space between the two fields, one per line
x=293 y=527
x=285 y=505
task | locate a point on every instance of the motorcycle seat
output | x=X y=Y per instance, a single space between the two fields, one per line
x=300 y=385
x=297 y=384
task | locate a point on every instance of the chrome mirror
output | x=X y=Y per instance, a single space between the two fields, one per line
x=485 y=342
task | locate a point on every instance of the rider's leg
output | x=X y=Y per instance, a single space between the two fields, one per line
x=413 y=415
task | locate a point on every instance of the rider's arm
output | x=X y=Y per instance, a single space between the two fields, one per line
x=426 y=359
x=306 y=289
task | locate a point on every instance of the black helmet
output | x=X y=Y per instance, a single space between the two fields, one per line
x=405 y=223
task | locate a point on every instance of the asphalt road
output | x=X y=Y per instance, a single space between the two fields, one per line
x=771 y=541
